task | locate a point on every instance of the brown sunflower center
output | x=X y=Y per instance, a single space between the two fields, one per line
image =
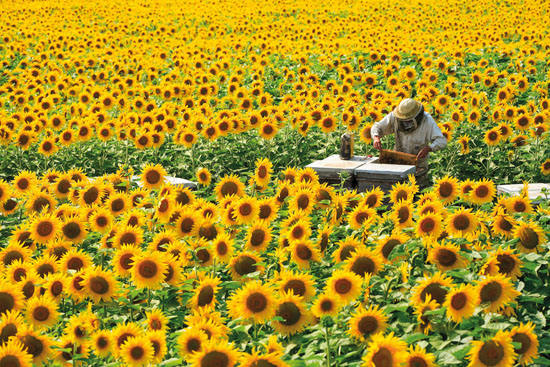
x=137 y=353
x=75 y=263
x=401 y=195
x=193 y=345
x=436 y=291
x=417 y=361
x=45 y=269
x=148 y=269
x=342 y=286
x=262 y=363
x=363 y=265
x=303 y=252
x=34 y=345
x=125 y=261
x=7 y=302
x=206 y=295
x=327 y=305
x=152 y=177
x=11 y=256
x=117 y=205
x=458 y=301
x=361 y=217
x=446 y=257
x=40 y=203
x=445 y=189
x=519 y=206
x=102 y=342
x=41 y=313
x=427 y=225
x=505 y=225
x=403 y=214
x=302 y=201
x=367 y=325
x=203 y=255
x=245 y=209
x=461 y=222
x=99 y=285
x=506 y=264
x=245 y=265
x=257 y=237
x=229 y=188
x=56 y=288
x=8 y=331
x=289 y=312
x=481 y=191
x=214 y=359
x=524 y=340
x=491 y=353
x=529 y=238
x=383 y=358
x=491 y=292
x=346 y=251
x=297 y=232
x=91 y=195
x=72 y=230
x=256 y=302
x=10 y=361
x=44 y=229
x=297 y=286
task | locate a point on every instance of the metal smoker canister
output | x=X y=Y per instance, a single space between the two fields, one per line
x=346 y=146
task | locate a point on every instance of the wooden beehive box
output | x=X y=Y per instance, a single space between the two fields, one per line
x=330 y=168
x=383 y=175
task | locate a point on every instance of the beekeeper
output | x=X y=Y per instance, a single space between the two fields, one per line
x=415 y=133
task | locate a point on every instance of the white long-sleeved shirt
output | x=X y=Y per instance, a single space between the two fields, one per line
x=427 y=134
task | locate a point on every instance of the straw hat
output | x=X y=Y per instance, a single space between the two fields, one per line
x=407 y=109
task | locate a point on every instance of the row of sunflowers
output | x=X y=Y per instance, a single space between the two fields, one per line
x=280 y=271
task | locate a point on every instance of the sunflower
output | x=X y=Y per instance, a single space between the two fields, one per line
x=292 y=312
x=421 y=309
x=299 y=231
x=121 y=333
x=461 y=302
x=364 y=323
x=464 y=142
x=301 y=284
x=156 y=320
x=100 y=285
x=326 y=305
x=73 y=229
x=101 y=220
x=11 y=298
x=345 y=285
x=302 y=201
x=262 y=174
x=191 y=340
x=507 y=263
x=495 y=292
x=152 y=176
x=372 y=198
x=303 y=252
x=56 y=285
x=267 y=209
x=417 y=356
x=446 y=256
x=402 y=191
x=118 y=203
x=158 y=342
x=215 y=353
x=24 y=182
x=434 y=286
x=524 y=335
x=102 y=341
x=495 y=352
x=229 y=185
x=503 y=224
x=385 y=351
x=519 y=204
x=254 y=302
x=36 y=344
x=41 y=312
x=14 y=353
x=345 y=249
x=243 y=264
x=223 y=247
x=205 y=292
x=40 y=202
x=148 y=270
x=258 y=236
x=362 y=216
x=90 y=194
x=482 y=192
x=257 y=359
x=44 y=228
x=364 y=262
x=76 y=260
x=402 y=214
x=204 y=177
x=446 y=189
x=429 y=225
x=530 y=236
x=137 y=351
x=386 y=245
x=461 y=222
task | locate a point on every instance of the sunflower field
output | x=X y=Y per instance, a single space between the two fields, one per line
x=105 y=264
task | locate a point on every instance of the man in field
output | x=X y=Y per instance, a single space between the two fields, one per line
x=415 y=133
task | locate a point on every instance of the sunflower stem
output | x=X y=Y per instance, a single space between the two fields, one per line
x=327 y=339
x=388 y=288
